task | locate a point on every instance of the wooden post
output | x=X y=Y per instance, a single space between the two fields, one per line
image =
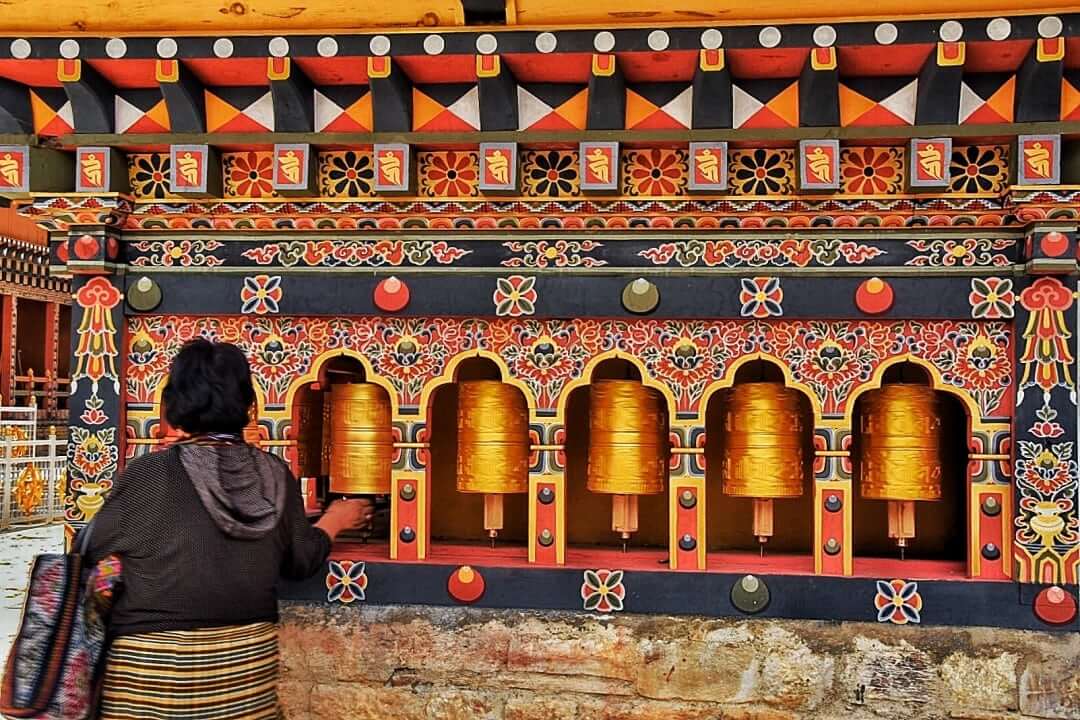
x=52 y=349
x=9 y=326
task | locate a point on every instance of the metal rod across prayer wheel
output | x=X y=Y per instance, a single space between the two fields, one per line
x=492 y=445
x=764 y=433
x=628 y=447
x=361 y=440
x=900 y=458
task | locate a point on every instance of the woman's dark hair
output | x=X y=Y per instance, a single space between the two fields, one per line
x=209 y=389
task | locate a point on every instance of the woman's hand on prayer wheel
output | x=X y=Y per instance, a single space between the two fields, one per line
x=346 y=514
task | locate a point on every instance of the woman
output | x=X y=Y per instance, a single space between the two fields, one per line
x=204 y=529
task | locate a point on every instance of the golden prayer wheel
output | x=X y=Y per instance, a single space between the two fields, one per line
x=308 y=430
x=628 y=448
x=900 y=444
x=900 y=457
x=628 y=439
x=764 y=445
x=493 y=438
x=492 y=445
x=361 y=440
x=764 y=442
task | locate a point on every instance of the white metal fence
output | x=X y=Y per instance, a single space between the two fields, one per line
x=33 y=470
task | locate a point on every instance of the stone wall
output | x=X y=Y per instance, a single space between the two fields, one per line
x=464 y=664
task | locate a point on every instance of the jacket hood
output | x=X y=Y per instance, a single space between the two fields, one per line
x=242 y=488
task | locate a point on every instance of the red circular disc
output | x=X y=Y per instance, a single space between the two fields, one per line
x=466 y=585
x=86 y=247
x=62 y=252
x=1054 y=244
x=1055 y=606
x=874 y=296
x=391 y=295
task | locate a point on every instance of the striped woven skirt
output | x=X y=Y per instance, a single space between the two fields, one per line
x=227 y=673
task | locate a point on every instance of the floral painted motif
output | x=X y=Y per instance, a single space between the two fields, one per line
x=449 y=173
x=992 y=298
x=182 y=253
x=971 y=252
x=1046 y=469
x=1045 y=427
x=982 y=365
x=824 y=252
x=760 y=297
x=149 y=175
x=1046 y=476
x=515 y=296
x=346 y=173
x=1047 y=523
x=356 y=253
x=831 y=358
x=898 y=602
x=684 y=358
x=762 y=172
x=1047 y=360
x=92 y=458
x=654 y=172
x=979 y=169
x=249 y=174
x=346 y=581
x=551 y=173
x=553 y=253
x=603 y=590
x=261 y=294
x=95 y=348
x=872 y=170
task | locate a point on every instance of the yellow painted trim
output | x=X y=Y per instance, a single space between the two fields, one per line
x=450 y=372
x=975 y=512
x=675 y=486
x=167 y=71
x=312 y=375
x=417 y=479
x=729 y=379
x=600 y=71
x=63 y=75
x=820 y=488
x=586 y=378
x=936 y=381
x=1053 y=56
x=491 y=72
x=274 y=74
x=828 y=64
x=944 y=61
x=706 y=66
x=559 y=481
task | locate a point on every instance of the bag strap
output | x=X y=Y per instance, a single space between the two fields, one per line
x=84 y=537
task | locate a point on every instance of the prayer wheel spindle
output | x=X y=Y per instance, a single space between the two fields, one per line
x=900 y=459
x=628 y=448
x=492 y=445
x=763 y=449
x=361 y=439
